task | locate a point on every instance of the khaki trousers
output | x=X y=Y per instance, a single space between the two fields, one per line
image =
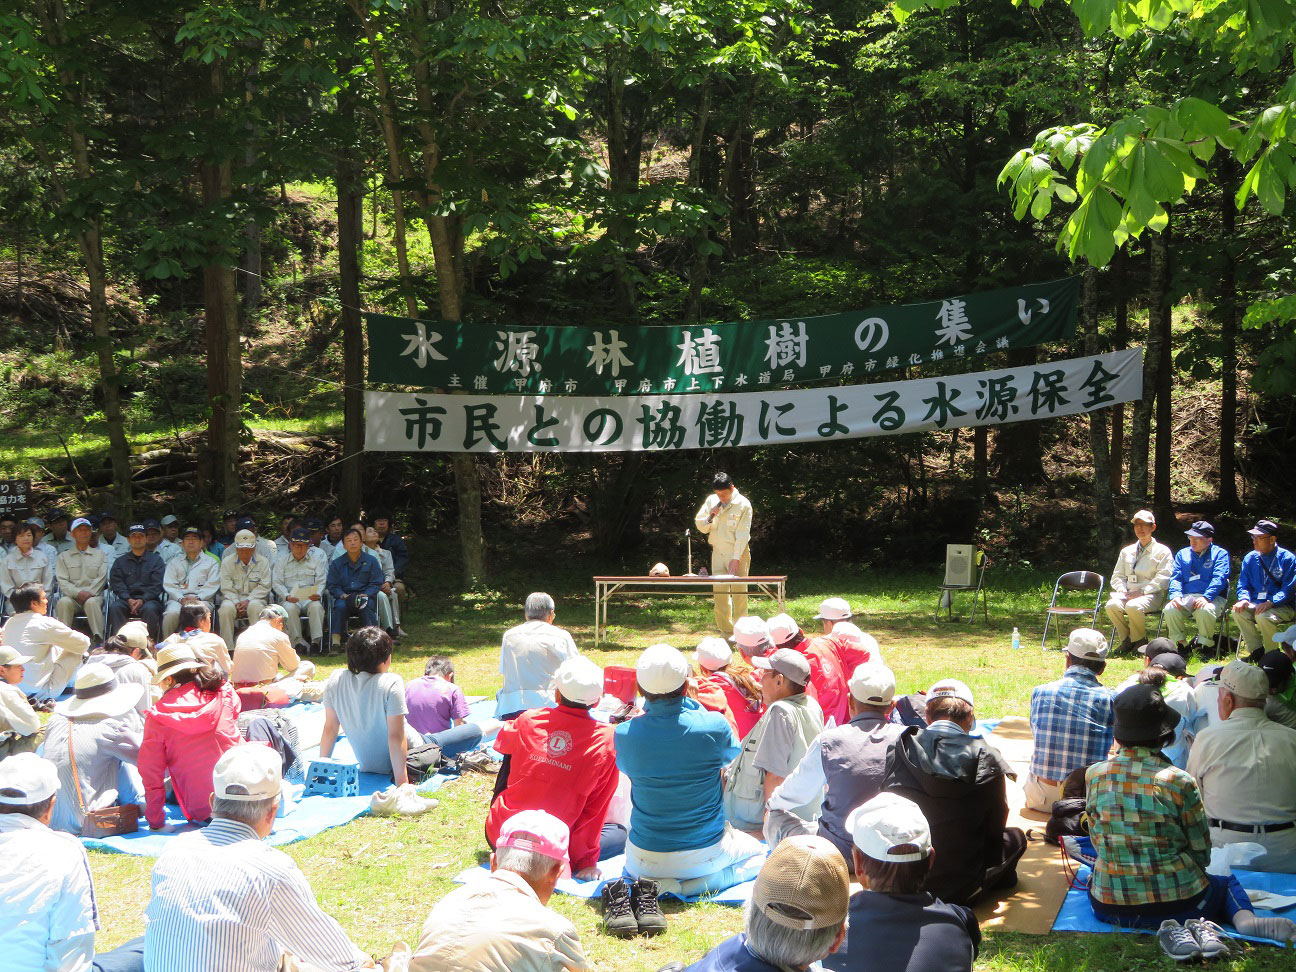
x=1206 y=618
x=1040 y=794
x=229 y=615
x=1130 y=617
x=67 y=609
x=730 y=600
x=1258 y=629
x=314 y=618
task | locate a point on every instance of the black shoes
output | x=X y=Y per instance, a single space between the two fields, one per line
x=1123 y=647
x=632 y=909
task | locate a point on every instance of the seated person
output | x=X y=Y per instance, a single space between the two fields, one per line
x=168 y=545
x=300 y=579
x=392 y=542
x=796 y=916
x=20 y=725
x=1168 y=673
x=1266 y=589
x=1243 y=766
x=894 y=923
x=825 y=667
x=563 y=763
x=82 y=575
x=265 y=549
x=1139 y=582
x=353 y=582
x=186 y=732
x=434 y=701
x=93 y=739
x=287 y=524
x=772 y=750
x=388 y=599
x=58 y=537
x=1280 y=705
x=135 y=580
x=52 y=648
x=501 y=923
x=854 y=647
x=129 y=653
x=846 y=764
x=673 y=754
x=959 y=782
x=191 y=576
x=195 y=630
x=49 y=901
x=224 y=899
x=1150 y=834
x=333 y=531
x=721 y=672
x=24 y=564
x=112 y=543
x=530 y=654
x=258 y=654
x=246 y=576
x=1198 y=589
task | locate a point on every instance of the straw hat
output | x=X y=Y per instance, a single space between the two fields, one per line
x=97 y=692
x=175 y=657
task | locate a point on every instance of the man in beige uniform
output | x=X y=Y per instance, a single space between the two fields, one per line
x=245 y=581
x=82 y=574
x=726 y=519
x=193 y=576
x=300 y=577
x=1139 y=582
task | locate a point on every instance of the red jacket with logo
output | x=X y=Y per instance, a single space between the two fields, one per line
x=827 y=677
x=563 y=762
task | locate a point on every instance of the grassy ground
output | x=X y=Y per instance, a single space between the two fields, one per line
x=379 y=877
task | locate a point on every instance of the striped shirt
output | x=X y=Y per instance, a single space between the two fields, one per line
x=225 y=901
x=1071 y=720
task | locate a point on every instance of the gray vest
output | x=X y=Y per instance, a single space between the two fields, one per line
x=854 y=764
x=744 y=796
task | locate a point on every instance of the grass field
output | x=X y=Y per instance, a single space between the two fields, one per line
x=379 y=877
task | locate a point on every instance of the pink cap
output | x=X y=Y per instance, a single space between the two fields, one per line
x=535 y=830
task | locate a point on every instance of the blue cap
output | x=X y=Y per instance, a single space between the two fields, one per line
x=137 y=528
x=152 y=524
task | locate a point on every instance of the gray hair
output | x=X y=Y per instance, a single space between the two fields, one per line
x=250 y=812
x=274 y=611
x=539 y=606
x=1241 y=701
x=787 y=947
x=531 y=865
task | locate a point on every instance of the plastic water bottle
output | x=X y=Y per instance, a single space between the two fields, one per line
x=1016 y=641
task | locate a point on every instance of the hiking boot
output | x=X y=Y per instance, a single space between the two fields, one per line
x=478 y=762
x=1177 y=941
x=647 y=909
x=618 y=915
x=1123 y=647
x=1211 y=938
x=1140 y=645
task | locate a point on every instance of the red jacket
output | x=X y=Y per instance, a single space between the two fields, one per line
x=826 y=676
x=852 y=655
x=185 y=733
x=563 y=762
x=738 y=709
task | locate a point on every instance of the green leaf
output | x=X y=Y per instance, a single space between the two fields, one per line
x=1200 y=118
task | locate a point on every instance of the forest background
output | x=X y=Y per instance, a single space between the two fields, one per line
x=197 y=199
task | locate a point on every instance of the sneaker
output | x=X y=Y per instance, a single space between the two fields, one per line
x=1210 y=937
x=1177 y=941
x=1139 y=645
x=1123 y=647
x=400 y=632
x=478 y=762
x=618 y=915
x=647 y=909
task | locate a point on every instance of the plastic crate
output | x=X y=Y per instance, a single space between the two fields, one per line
x=324 y=777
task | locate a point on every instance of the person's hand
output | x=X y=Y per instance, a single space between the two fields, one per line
x=1241 y=606
x=733 y=566
x=241 y=607
x=1198 y=603
x=83 y=596
x=386 y=588
x=588 y=874
x=1262 y=608
x=314 y=597
x=134 y=603
x=290 y=599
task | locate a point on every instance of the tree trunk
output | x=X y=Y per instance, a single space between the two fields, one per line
x=1228 y=317
x=250 y=279
x=1104 y=501
x=744 y=230
x=1162 y=500
x=625 y=156
x=1141 y=422
x=697 y=274
x=350 y=197
x=1121 y=298
x=1018 y=455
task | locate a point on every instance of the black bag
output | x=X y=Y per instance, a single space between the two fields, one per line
x=1068 y=820
x=423 y=761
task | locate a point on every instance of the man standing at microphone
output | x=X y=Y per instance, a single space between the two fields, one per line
x=726 y=518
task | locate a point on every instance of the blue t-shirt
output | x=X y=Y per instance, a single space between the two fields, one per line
x=732 y=955
x=673 y=754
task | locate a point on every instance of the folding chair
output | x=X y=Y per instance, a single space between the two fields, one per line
x=1111 y=639
x=1076 y=580
x=963 y=562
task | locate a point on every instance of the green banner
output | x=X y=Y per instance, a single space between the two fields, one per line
x=743 y=356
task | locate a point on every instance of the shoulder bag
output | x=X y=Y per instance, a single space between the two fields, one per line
x=108 y=822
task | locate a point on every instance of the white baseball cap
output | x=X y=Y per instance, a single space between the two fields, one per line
x=888 y=821
x=135 y=634
x=1145 y=516
x=950 y=688
x=1087 y=643
x=782 y=628
x=1245 y=681
x=10 y=655
x=245 y=540
x=713 y=653
x=751 y=634
x=26 y=779
x=248 y=772
x=834 y=609
x=873 y=684
x=579 y=680
x=661 y=669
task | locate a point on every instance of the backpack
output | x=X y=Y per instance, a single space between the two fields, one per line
x=1067 y=816
x=423 y=761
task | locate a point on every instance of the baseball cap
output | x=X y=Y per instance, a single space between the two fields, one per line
x=313 y=523
x=56 y=515
x=850 y=633
x=1278 y=668
x=1087 y=643
x=1287 y=637
x=248 y=772
x=834 y=609
x=136 y=528
x=26 y=779
x=152 y=524
x=299 y=535
x=803 y=885
x=751 y=634
x=1264 y=528
x=1200 y=528
x=1172 y=662
x=661 y=669
x=35 y=521
x=579 y=680
x=535 y=830
x=10 y=656
x=713 y=653
x=950 y=688
x=1243 y=680
x=135 y=634
x=886 y=822
x=873 y=684
x=80 y=521
x=245 y=540
x=1144 y=515
x=169 y=519
x=782 y=628
x=107 y=515
x=1157 y=646
x=245 y=523
x=786 y=662
x=191 y=531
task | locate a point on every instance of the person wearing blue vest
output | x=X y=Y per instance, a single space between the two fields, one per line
x=1265 y=589
x=353 y=583
x=1198 y=588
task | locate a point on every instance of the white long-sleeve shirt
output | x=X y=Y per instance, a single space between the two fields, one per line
x=291 y=574
x=45 y=640
x=200 y=578
x=1143 y=570
x=17 y=568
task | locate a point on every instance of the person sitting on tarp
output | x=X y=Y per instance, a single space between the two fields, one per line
x=1280 y=706
x=530 y=654
x=724 y=680
x=826 y=673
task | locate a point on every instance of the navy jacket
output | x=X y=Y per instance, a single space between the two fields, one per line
x=365 y=576
x=133 y=576
x=394 y=545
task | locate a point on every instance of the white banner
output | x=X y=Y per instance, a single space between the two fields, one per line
x=411 y=422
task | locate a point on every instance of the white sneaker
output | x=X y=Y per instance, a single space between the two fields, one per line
x=1210 y=937
x=1177 y=941
x=400 y=801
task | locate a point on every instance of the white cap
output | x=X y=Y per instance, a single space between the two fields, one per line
x=245 y=540
x=80 y=521
x=847 y=631
x=873 y=684
x=834 y=609
x=751 y=634
x=887 y=821
x=1087 y=643
x=661 y=669
x=1287 y=637
x=135 y=634
x=579 y=680
x=26 y=779
x=782 y=628
x=251 y=771
x=713 y=653
x=1245 y=681
x=1144 y=515
x=950 y=688
x=10 y=655
x=169 y=519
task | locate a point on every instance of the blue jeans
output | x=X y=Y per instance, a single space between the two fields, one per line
x=612 y=841
x=124 y=958
x=344 y=606
x=1223 y=898
x=456 y=740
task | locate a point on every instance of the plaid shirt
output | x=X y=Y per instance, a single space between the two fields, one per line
x=1148 y=828
x=1072 y=723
